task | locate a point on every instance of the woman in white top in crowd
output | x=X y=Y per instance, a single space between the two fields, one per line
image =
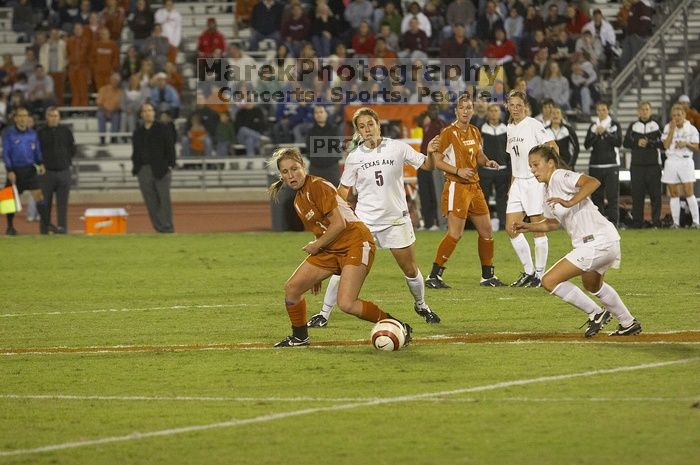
x=526 y=193
x=595 y=240
x=375 y=170
x=680 y=139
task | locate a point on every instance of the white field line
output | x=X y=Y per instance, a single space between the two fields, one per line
x=119 y=310
x=334 y=408
x=333 y=399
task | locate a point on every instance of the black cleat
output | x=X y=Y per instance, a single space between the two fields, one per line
x=317 y=321
x=292 y=341
x=631 y=330
x=523 y=280
x=408 y=331
x=535 y=282
x=436 y=282
x=493 y=281
x=11 y=231
x=430 y=316
x=596 y=324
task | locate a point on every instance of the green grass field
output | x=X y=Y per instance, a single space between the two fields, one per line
x=144 y=349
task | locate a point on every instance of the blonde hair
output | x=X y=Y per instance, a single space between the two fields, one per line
x=282 y=153
x=522 y=96
x=679 y=107
x=356 y=137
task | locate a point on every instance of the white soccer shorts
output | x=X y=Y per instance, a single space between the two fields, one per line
x=526 y=195
x=599 y=258
x=395 y=236
x=678 y=171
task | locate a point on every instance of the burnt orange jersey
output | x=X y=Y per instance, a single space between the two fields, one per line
x=461 y=148
x=315 y=200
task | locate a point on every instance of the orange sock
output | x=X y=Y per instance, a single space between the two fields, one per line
x=370 y=312
x=486 y=251
x=445 y=249
x=297 y=313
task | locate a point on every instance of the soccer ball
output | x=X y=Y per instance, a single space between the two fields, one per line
x=388 y=334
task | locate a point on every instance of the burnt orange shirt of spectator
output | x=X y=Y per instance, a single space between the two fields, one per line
x=460 y=148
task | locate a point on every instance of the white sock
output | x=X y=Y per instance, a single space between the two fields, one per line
x=572 y=294
x=541 y=252
x=522 y=250
x=330 y=298
x=693 y=205
x=417 y=287
x=675 y=203
x=612 y=301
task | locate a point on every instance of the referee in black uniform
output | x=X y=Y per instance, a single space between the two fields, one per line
x=58 y=149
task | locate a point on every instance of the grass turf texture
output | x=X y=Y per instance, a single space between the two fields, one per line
x=124 y=290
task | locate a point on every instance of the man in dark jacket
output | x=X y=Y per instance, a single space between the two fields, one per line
x=324 y=147
x=153 y=158
x=494 y=138
x=58 y=149
x=604 y=138
x=643 y=138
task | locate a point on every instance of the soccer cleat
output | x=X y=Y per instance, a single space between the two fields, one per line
x=523 y=280
x=631 y=330
x=493 y=281
x=430 y=316
x=317 y=321
x=408 y=331
x=292 y=341
x=695 y=226
x=535 y=282
x=11 y=231
x=596 y=324
x=436 y=282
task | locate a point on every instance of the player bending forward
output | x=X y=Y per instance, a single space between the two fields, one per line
x=595 y=240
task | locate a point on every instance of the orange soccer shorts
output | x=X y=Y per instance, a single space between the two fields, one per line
x=463 y=200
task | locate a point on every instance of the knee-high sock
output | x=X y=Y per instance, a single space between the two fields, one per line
x=675 y=203
x=297 y=313
x=330 y=298
x=417 y=287
x=370 y=312
x=693 y=205
x=522 y=250
x=485 y=251
x=573 y=295
x=541 y=252
x=445 y=249
x=612 y=301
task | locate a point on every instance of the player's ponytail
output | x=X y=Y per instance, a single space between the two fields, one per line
x=282 y=153
x=548 y=153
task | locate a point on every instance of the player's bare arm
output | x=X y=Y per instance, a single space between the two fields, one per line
x=544 y=225
x=334 y=229
x=484 y=161
x=586 y=184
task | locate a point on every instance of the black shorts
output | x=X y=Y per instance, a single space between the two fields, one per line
x=26 y=179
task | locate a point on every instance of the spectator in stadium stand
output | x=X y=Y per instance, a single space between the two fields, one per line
x=538 y=42
x=153 y=159
x=171 y=22
x=174 y=78
x=363 y=41
x=323 y=27
x=583 y=79
x=133 y=97
x=156 y=48
x=8 y=71
x=104 y=59
x=358 y=10
x=565 y=137
x=503 y=50
x=23 y=21
x=562 y=50
x=210 y=40
x=429 y=208
x=623 y=15
x=591 y=45
x=487 y=23
x=40 y=90
x=546 y=116
x=554 y=22
x=435 y=12
x=38 y=40
x=680 y=139
x=225 y=135
x=533 y=22
x=131 y=64
x=459 y=12
x=78 y=55
x=141 y=23
x=197 y=141
x=575 y=20
x=52 y=56
x=389 y=36
x=391 y=17
x=514 y=25
x=323 y=147
x=481 y=112
x=457 y=45
x=639 y=29
x=414 y=42
x=381 y=51
x=643 y=139
x=604 y=139
x=85 y=10
x=146 y=75
x=58 y=149
x=109 y=107
x=691 y=114
x=250 y=125
x=296 y=29
x=556 y=87
x=23 y=161
x=164 y=96
x=603 y=30
x=541 y=60
x=265 y=22
x=112 y=18
x=494 y=139
x=93 y=27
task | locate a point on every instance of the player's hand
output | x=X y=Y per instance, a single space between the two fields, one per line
x=520 y=226
x=40 y=170
x=316 y=289
x=465 y=173
x=434 y=144
x=562 y=202
x=312 y=248
x=12 y=177
x=643 y=142
x=681 y=144
x=492 y=164
x=599 y=130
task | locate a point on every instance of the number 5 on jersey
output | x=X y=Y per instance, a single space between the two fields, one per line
x=379 y=178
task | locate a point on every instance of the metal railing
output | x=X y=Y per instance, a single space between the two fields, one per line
x=634 y=71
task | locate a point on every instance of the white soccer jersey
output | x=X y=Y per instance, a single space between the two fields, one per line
x=377 y=176
x=688 y=133
x=521 y=138
x=583 y=221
